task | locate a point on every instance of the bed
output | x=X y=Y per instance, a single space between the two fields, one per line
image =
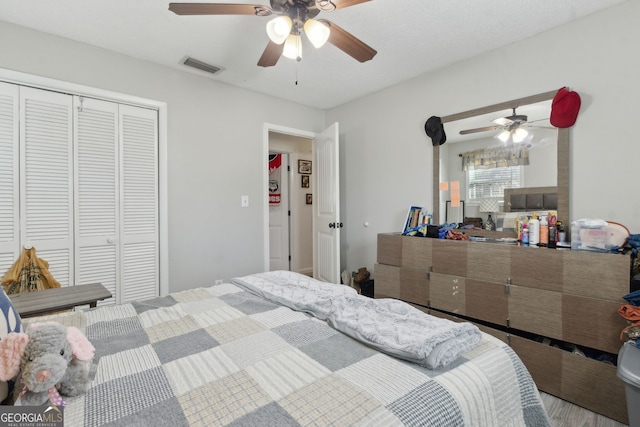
x=247 y=353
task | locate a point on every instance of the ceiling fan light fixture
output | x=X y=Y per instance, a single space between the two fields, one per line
x=278 y=29
x=504 y=135
x=317 y=32
x=519 y=135
x=293 y=47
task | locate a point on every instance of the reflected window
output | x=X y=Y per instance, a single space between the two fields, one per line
x=489 y=183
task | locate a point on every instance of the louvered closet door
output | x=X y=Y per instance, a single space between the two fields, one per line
x=96 y=194
x=9 y=178
x=139 y=233
x=46 y=184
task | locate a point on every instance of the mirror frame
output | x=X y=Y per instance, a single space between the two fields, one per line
x=562 y=173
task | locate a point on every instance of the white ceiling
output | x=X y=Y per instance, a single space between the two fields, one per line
x=411 y=36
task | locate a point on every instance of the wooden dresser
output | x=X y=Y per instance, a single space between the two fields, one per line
x=522 y=295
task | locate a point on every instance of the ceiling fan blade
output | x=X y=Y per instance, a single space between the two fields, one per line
x=271 y=54
x=484 y=129
x=341 y=4
x=219 y=9
x=503 y=121
x=348 y=43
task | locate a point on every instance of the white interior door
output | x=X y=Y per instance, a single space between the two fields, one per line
x=326 y=206
x=139 y=241
x=46 y=178
x=97 y=193
x=279 y=249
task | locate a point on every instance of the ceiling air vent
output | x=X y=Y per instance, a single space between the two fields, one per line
x=194 y=63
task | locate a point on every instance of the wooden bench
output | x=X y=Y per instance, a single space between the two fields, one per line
x=36 y=303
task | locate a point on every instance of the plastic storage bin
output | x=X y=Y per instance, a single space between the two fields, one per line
x=629 y=372
x=589 y=235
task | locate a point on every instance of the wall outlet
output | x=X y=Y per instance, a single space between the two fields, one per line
x=218 y=281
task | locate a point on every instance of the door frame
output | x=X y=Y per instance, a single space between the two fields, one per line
x=268 y=127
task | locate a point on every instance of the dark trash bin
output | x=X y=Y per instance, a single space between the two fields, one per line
x=366 y=288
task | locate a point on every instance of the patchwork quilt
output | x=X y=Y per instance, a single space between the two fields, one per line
x=221 y=356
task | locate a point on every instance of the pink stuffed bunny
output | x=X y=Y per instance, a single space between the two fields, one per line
x=52 y=359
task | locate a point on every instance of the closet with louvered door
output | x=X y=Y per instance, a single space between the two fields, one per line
x=79 y=182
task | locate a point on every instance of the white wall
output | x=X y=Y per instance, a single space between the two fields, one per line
x=215 y=148
x=386 y=157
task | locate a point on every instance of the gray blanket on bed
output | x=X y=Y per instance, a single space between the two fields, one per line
x=391 y=326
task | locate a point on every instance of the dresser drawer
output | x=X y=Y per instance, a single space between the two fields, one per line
x=449 y=257
x=593 y=385
x=486 y=301
x=387 y=281
x=592 y=323
x=389 y=249
x=596 y=275
x=539 y=268
x=536 y=310
x=447 y=293
x=416 y=252
x=489 y=265
x=414 y=286
x=543 y=362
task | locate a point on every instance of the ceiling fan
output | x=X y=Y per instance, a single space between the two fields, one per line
x=512 y=126
x=294 y=17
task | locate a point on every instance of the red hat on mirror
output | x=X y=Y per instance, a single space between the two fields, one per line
x=564 y=108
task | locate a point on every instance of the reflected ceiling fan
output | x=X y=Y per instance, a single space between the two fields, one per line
x=512 y=126
x=284 y=31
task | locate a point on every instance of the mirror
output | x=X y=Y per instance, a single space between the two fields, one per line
x=552 y=165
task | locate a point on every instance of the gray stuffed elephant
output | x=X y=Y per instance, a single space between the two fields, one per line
x=51 y=360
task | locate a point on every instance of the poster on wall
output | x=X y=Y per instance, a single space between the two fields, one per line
x=275 y=175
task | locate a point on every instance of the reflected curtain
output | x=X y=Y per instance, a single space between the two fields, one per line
x=496 y=157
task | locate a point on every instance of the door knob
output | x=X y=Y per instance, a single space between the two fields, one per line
x=332 y=225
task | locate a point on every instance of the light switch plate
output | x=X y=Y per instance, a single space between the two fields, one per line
x=244 y=201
